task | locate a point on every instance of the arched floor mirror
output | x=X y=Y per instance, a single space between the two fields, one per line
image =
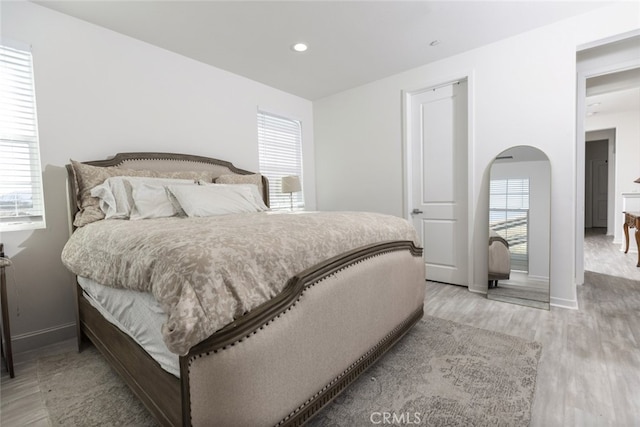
x=520 y=227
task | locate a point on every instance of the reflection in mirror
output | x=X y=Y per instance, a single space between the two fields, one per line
x=519 y=227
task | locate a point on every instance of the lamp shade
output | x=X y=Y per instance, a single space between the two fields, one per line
x=291 y=184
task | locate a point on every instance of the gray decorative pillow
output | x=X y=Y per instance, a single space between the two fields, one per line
x=87 y=177
x=254 y=178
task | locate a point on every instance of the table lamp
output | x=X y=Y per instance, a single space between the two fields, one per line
x=291 y=184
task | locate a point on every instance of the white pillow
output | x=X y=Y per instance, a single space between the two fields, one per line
x=210 y=200
x=116 y=193
x=255 y=192
x=105 y=197
x=151 y=201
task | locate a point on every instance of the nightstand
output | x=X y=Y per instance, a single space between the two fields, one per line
x=5 y=343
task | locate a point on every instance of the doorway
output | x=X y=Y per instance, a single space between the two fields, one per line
x=437 y=178
x=596 y=184
x=608 y=70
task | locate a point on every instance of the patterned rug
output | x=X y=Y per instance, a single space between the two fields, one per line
x=80 y=389
x=440 y=374
x=443 y=374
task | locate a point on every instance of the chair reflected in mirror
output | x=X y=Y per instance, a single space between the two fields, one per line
x=499 y=259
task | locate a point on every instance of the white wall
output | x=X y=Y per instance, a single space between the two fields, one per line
x=99 y=93
x=522 y=92
x=539 y=175
x=627 y=157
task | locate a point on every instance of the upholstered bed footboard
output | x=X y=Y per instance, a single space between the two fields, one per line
x=339 y=321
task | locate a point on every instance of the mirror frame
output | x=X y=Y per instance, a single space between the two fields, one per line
x=528 y=289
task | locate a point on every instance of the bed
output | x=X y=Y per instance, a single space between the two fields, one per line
x=278 y=361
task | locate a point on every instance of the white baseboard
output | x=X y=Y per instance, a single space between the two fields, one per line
x=571 y=304
x=44 y=337
x=477 y=291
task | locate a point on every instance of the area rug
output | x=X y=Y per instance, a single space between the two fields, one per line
x=443 y=374
x=440 y=374
x=80 y=389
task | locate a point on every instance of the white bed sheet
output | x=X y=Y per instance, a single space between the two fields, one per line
x=138 y=315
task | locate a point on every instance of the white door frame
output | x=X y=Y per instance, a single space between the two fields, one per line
x=408 y=155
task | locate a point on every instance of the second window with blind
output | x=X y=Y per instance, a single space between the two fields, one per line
x=280 y=156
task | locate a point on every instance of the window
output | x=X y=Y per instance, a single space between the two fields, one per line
x=21 y=197
x=280 y=155
x=509 y=217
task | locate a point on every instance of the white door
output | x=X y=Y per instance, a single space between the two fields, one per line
x=438 y=138
x=600 y=187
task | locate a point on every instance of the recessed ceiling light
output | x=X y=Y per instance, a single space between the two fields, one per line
x=299 y=47
x=434 y=43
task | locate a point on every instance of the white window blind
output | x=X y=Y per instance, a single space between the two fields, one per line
x=280 y=155
x=509 y=217
x=21 y=196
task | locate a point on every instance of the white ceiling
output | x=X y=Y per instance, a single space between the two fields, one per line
x=350 y=42
x=614 y=93
x=614 y=102
x=614 y=82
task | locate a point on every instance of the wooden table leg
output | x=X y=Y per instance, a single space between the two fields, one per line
x=625 y=227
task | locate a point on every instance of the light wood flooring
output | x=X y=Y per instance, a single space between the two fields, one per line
x=589 y=372
x=20 y=400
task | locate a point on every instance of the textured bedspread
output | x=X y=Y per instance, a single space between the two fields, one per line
x=206 y=272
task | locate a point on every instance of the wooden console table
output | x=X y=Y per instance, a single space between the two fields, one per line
x=632 y=220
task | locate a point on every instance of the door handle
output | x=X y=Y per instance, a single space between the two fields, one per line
x=416 y=211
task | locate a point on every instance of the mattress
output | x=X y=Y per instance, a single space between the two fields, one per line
x=138 y=315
